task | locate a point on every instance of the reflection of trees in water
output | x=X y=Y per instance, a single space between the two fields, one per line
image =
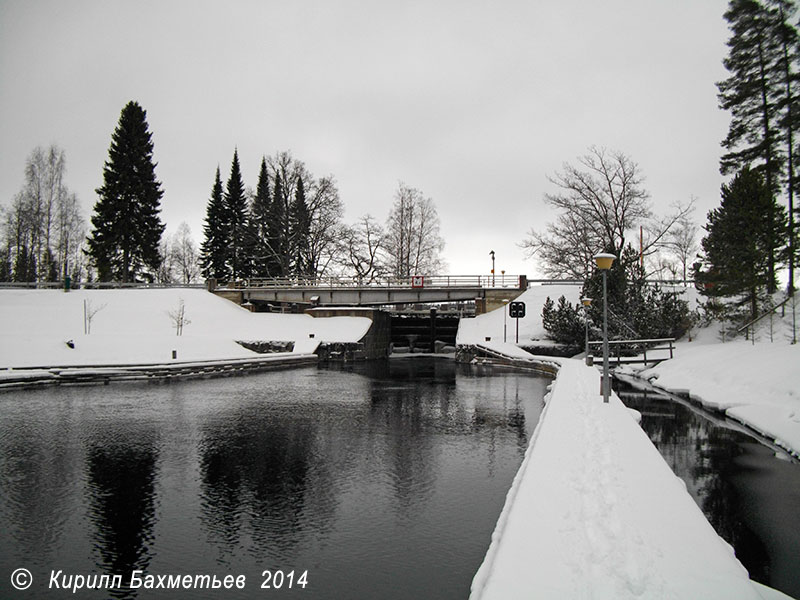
x=121 y=471
x=703 y=455
x=415 y=401
x=255 y=481
x=37 y=474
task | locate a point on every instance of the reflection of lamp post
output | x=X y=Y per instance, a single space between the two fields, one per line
x=491 y=253
x=604 y=262
x=587 y=302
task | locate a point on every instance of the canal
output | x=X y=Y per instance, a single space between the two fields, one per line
x=384 y=480
x=748 y=492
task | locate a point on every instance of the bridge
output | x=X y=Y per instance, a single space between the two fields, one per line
x=348 y=291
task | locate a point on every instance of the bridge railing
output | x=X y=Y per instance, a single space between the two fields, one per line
x=421 y=282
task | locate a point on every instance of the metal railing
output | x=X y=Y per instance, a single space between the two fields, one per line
x=421 y=282
x=94 y=285
x=750 y=327
x=638 y=347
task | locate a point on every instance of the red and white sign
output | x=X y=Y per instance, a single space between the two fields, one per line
x=418 y=281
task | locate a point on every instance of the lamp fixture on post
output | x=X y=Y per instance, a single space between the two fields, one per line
x=604 y=262
x=491 y=253
x=587 y=302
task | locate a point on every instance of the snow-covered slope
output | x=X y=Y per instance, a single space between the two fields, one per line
x=134 y=326
x=491 y=324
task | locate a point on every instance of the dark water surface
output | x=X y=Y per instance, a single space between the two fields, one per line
x=751 y=497
x=384 y=481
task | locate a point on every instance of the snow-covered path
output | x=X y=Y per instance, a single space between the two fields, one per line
x=595 y=512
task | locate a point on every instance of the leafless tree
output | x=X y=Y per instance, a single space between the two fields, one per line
x=44 y=228
x=361 y=248
x=178 y=317
x=325 y=227
x=184 y=255
x=681 y=241
x=89 y=312
x=324 y=212
x=600 y=201
x=413 y=243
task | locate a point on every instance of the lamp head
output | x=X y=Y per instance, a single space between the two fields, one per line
x=587 y=302
x=604 y=260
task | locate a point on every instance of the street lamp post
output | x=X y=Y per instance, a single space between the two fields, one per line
x=587 y=302
x=505 y=317
x=604 y=262
x=491 y=253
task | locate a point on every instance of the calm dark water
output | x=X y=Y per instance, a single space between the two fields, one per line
x=384 y=481
x=751 y=498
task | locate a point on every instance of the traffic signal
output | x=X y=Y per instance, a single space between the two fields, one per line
x=516 y=310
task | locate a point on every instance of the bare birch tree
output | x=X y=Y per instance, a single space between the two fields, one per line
x=413 y=242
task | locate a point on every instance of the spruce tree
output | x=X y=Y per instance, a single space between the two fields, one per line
x=278 y=233
x=300 y=223
x=739 y=240
x=260 y=248
x=124 y=242
x=238 y=221
x=214 y=250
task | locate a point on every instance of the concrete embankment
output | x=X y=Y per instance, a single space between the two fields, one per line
x=104 y=374
x=595 y=512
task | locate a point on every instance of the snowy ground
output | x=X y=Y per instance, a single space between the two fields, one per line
x=493 y=324
x=594 y=511
x=134 y=326
x=757 y=384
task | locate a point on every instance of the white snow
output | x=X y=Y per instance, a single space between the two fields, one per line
x=594 y=511
x=494 y=323
x=134 y=327
x=758 y=384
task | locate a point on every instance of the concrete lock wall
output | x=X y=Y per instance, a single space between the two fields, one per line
x=375 y=344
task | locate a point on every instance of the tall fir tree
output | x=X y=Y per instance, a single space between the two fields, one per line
x=260 y=243
x=127 y=228
x=214 y=249
x=278 y=232
x=300 y=223
x=238 y=222
x=736 y=248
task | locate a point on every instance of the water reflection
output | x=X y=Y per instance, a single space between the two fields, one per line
x=254 y=468
x=743 y=490
x=383 y=480
x=121 y=471
x=35 y=456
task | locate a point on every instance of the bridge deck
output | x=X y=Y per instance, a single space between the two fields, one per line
x=352 y=292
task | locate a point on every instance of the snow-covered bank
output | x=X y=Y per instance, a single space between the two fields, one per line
x=497 y=322
x=757 y=384
x=595 y=512
x=134 y=326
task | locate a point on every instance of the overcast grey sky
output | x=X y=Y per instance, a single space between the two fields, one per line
x=474 y=103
